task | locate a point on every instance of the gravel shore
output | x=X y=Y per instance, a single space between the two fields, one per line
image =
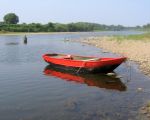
x=135 y=50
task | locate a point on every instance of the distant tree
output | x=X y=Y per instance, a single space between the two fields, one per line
x=49 y=27
x=146 y=26
x=60 y=27
x=11 y=18
x=138 y=27
x=1 y=23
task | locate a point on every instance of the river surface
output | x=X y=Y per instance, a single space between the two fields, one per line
x=31 y=90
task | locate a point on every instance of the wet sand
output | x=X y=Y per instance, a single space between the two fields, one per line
x=135 y=50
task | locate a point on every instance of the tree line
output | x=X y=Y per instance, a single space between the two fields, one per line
x=11 y=20
x=58 y=27
x=146 y=27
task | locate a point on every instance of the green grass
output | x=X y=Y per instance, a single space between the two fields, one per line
x=144 y=36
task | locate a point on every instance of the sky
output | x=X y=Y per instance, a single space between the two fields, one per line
x=116 y=12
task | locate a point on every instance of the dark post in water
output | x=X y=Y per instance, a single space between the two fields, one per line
x=25 y=39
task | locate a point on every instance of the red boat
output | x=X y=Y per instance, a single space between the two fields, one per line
x=84 y=64
x=101 y=81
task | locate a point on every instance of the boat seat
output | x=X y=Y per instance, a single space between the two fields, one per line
x=68 y=57
x=92 y=59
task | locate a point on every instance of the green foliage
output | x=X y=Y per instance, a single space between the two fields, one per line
x=49 y=27
x=57 y=27
x=11 y=18
x=60 y=27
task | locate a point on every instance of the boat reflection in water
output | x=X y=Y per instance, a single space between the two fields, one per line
x=98 y=80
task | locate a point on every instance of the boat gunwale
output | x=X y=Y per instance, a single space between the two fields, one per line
x=98 y=59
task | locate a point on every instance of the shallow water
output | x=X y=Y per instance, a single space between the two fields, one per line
x=28 y=92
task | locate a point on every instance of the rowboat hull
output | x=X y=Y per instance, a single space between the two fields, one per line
x=104 y=69
x=90 y=65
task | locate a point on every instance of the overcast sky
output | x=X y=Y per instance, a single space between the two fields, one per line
x=124 y=12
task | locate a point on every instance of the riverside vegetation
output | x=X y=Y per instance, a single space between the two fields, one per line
x=11 y=20
x=58 y=27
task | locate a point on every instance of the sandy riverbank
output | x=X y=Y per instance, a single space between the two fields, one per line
x=136 y=50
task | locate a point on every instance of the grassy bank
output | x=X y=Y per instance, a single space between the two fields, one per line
x=135 y=47
x=145 y=36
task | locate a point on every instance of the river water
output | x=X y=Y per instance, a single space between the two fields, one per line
x=31 y=90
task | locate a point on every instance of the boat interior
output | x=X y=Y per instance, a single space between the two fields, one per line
x=72 y=57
